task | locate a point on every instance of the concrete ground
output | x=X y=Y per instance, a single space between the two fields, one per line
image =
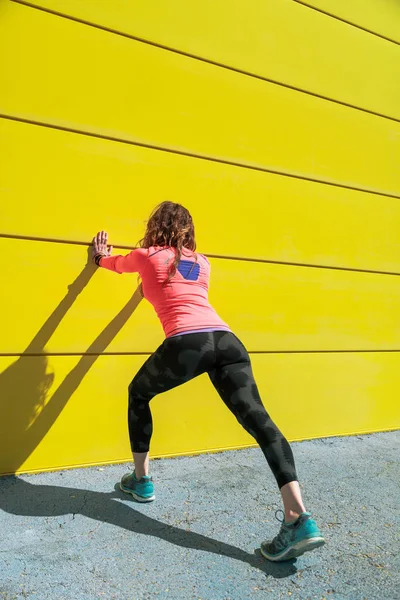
x=72 y=535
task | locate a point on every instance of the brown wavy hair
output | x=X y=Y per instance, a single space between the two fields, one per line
x=170 y=225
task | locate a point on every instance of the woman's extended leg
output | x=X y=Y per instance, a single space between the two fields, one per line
x=237 y=388
x=233 y=378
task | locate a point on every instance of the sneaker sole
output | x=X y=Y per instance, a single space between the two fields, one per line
x=296 y=550
x=132 y=493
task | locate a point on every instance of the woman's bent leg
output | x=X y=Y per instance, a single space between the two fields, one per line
x=176 y=361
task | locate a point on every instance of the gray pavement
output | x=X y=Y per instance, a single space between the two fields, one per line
x=72 y=535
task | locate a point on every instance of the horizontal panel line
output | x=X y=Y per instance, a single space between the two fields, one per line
x=31 y=238
x=216 y=256
x=253 y=352
x=325 y=12
x=213 y=159
x=305 y=265
x=208 y=61
x=370 y=351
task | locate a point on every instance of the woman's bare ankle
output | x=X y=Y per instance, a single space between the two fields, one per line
x=292 y=501
x=291 y=516
x=139 y=474
x=141 y=464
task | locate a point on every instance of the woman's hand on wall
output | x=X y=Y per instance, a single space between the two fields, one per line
x=100 y=245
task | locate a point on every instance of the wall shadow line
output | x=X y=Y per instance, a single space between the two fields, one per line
x=28 y=409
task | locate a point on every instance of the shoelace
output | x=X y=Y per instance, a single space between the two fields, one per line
x=279 y=541
x=283 y=515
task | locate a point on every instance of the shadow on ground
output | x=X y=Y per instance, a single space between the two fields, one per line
x=19 y=497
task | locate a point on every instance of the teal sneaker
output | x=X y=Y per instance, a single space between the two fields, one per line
x=141 y=489
x=293 y=539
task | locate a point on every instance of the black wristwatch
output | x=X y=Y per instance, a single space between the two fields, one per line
x=97 y=258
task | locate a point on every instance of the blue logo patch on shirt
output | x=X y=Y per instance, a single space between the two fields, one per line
x=189 y=270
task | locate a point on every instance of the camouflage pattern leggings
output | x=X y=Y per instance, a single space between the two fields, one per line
x=225 y=359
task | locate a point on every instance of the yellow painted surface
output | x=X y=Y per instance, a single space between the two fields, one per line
x=271 y=307
x=325 y=342
x=379 y=16
x=126 y=182
x=108 y=84
x=63 y=411
x=258 y=37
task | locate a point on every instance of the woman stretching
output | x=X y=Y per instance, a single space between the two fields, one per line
x=175 y=281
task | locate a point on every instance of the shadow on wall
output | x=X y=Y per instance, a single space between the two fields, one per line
x=26 y=415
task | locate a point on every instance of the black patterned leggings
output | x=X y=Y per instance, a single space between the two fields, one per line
x=225 y=359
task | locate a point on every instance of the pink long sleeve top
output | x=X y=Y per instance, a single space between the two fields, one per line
x=182 y=304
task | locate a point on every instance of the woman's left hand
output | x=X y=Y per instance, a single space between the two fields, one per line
x=100 y=244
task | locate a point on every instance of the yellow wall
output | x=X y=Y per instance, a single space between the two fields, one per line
x=278 y=125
